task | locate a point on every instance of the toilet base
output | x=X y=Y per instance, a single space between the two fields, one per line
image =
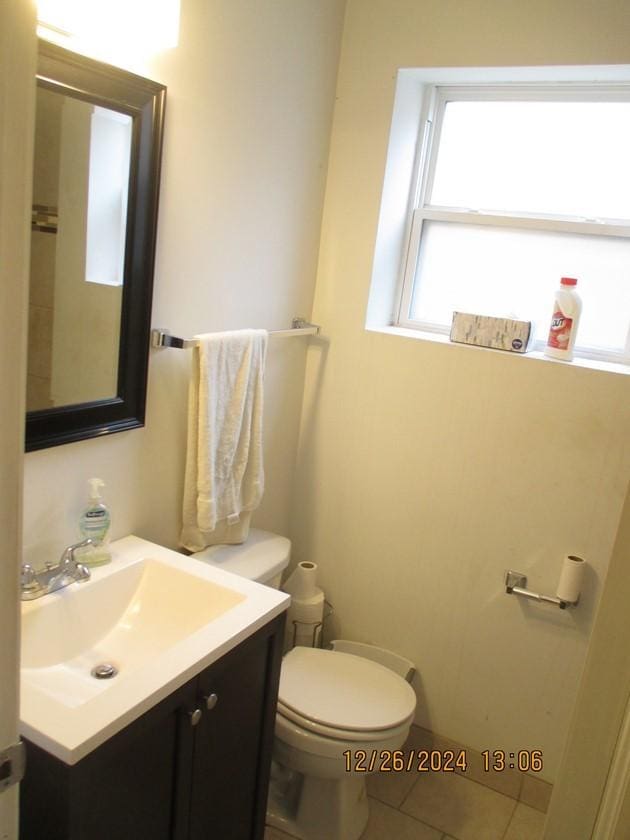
x=295 y=805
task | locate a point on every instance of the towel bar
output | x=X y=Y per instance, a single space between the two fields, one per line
x=162 y=337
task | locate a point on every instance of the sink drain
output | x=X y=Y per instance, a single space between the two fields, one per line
x=105 y=671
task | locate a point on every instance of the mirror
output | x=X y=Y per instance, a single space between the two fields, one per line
x=80 y=196
x=96 y=169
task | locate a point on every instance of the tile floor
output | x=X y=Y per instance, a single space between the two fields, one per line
x=451 y=806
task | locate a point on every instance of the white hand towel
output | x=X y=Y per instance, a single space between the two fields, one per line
x=224 y=462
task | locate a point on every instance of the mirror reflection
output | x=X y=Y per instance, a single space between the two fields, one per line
x=80 y=194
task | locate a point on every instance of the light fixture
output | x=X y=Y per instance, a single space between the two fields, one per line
x=114 y=27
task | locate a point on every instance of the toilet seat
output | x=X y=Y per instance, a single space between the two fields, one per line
x=335 y=733
x=292 y=735
x=342 y=696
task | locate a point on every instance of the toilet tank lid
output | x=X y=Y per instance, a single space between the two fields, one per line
x=263 y=556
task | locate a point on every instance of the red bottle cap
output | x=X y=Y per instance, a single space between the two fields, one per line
x=568 y=281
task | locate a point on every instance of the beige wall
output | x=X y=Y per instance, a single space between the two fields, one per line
x=601 y=706
x=249 y=106
x=425 y=470
x=43 y=250
x=17 y=109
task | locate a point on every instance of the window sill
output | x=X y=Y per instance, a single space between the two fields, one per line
x=438 y=338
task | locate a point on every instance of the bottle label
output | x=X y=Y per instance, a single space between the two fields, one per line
x=95 y=524
x=560 y=330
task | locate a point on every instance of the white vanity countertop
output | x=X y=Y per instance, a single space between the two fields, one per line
x=68 y=712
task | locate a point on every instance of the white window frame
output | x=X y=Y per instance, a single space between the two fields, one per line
x=434 y=100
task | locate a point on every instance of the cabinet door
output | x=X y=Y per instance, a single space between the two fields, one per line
x=233 y=739
x=125 y=789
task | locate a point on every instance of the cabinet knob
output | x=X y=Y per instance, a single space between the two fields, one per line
x=195 y=717
x=211 y=700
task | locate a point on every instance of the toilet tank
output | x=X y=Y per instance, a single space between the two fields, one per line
x=262 y=557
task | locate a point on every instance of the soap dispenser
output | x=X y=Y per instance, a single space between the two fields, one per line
x=94 y=523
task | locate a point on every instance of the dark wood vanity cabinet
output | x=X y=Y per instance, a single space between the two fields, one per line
x=194 y=767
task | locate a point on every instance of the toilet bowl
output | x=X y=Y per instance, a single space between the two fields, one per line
x=335 y=712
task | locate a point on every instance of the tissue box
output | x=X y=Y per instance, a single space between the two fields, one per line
x=498 y=333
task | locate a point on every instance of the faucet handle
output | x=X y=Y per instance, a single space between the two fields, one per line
x=68 y=558
x=27 y=577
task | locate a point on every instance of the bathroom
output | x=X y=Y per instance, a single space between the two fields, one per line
x=412 y=473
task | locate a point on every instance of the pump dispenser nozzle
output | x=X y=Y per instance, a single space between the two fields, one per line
x=95 y=485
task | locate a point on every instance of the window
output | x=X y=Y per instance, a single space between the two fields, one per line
x=514 y=186
x=110 y=157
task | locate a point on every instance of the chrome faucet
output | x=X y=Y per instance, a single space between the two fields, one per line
x=36 y=584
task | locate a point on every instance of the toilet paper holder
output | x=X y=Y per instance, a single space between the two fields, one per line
x=312 y=629
x=516 y=584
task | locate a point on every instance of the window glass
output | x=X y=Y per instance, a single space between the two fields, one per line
x=110 y=152
x=563 y=158
x=505 y=271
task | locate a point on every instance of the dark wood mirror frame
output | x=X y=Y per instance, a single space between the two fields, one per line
x=144 y=100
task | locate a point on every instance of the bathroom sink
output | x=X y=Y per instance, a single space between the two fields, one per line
x=126 y=618
x=151 y=619
x=135 y=612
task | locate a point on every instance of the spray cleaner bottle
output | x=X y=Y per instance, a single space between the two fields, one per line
x=564 y=321
x=94 y=523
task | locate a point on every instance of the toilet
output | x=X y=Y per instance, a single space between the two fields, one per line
x=333 y=707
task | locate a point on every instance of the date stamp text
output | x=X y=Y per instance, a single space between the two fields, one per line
x=405 y=761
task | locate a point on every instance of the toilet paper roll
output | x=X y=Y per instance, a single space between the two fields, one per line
x=302 y=583
x=307 y=610
x=571 y=577
x=303 y=617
